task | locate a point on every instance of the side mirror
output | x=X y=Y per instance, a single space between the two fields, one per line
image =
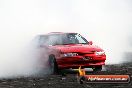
x=90 y=43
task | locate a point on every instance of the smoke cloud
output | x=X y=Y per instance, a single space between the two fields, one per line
x=106 y=22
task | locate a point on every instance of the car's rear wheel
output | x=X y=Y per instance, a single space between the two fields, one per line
x=53 y=67
x=97 y=68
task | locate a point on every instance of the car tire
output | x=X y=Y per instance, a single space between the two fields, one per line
x=97 y=69
x=53 y=67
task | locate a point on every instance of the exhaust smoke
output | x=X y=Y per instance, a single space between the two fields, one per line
x=107 y=23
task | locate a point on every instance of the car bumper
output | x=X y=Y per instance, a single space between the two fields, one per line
x=84 y=61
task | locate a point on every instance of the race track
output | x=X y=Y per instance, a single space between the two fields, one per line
x=68 y=81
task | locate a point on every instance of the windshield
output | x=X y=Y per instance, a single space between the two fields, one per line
x=63 y=39
x=74 y=38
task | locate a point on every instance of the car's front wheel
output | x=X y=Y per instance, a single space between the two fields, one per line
x=53 y=67
x=97 y=68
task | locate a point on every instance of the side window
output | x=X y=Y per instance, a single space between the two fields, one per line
x=54 y=40
x=49 y=40
x=43 y=40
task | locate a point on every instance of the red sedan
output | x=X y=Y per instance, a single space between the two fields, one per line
x=70 y=50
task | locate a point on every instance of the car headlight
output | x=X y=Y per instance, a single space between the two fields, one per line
x=69 y=54
x=100 y=53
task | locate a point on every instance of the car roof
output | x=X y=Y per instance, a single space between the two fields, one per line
x=60 y=32
x=52 y=33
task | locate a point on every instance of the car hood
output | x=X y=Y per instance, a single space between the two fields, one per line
x=78 y=48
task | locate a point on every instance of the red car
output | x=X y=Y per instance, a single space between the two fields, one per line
x=70 y=50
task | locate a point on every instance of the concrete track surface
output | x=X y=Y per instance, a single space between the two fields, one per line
x=69 y=80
